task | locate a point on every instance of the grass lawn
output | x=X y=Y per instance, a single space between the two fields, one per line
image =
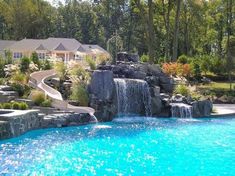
x=217 y=89
x=218 y=86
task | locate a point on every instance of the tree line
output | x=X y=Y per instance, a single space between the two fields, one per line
x=163 y=29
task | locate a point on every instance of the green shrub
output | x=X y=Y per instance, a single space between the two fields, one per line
x=2 y=65
x=80 y=73
x=46 y=65
x=79 y=94
x=182 y=89
x=195 y=96
x=19 y=78
x=205 y=63
x=91 y=63
x=15 y=105
x=8 y=57
x=2 y=81
x=35 y=59
x=218 y=66
x=162 y=60
x=23 y=90
x=37 y=97
x=46 y=103
x=196 y=71
x=6 y=105
x=23 y=106
x=61 y=70
x=183 y=59
x=24 y=64
x=144 y=58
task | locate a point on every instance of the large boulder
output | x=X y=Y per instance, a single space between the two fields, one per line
x=178 y=98
x=102 y=84
x=124 y=56
x=166 y=84
x=55 y=82
x=7 y=94
x=155 y=91
x=156 y=105
x=167 y=88
x=202 y=108
x=152 y=80
x=104 y=109
x=154 y=70
x=102 y=99
x=138 y=75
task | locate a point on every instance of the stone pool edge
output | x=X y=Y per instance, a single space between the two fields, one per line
x=18 y=122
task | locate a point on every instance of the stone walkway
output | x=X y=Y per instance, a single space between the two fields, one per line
x=224 y=109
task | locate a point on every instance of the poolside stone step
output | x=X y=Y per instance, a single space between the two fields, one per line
x=5 y=88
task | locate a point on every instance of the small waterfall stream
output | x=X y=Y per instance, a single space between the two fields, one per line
x=181 y=110
x=133 y=96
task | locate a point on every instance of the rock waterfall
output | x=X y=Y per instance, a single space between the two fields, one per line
x=133 y=96
x=181 y=110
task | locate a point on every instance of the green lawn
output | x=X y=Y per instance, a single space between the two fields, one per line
x=218 y=86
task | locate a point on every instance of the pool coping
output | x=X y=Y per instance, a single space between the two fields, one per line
x=227 y=115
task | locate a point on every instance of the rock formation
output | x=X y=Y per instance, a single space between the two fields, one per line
x=105 y=92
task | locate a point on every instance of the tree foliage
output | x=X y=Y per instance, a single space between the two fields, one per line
x=160 y=28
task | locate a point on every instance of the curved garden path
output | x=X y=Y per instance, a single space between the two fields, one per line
x=37 y=80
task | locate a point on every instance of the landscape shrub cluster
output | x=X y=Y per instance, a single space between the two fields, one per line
x=79 y=94
x=177 y=69
x=182 y=89
x=195 y=66
x=14 y=105
x=40 y=99
x=91 y=63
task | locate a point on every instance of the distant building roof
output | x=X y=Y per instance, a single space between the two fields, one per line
x=61 y=47
x=81 y=49
x=5 y=44
x=69 y=43
x=26 y=45
x=63 y=44
x=41 y=48
x=51 y=44
x=94 y=49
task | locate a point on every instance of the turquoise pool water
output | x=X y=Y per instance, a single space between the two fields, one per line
x=127 y=146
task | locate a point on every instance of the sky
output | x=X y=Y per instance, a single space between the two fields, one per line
x=55 y=2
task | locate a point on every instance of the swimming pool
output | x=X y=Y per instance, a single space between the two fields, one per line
x=126 y=146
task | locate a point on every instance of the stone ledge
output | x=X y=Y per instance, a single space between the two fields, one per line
x=18 y=122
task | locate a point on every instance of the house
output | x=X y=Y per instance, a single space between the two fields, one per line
x=4 y=44
x=65 y=49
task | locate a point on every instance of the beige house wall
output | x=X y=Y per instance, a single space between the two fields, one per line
x=66 y=55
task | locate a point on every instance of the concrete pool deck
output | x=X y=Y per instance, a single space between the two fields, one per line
x=224 y=109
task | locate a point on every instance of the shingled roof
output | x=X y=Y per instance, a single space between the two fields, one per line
x=69 y=43
x=4 y=44
x=94 y=49
x=51 y=44
x=26 y=45
x=64 y=44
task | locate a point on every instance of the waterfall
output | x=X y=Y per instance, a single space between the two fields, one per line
x=94 y=119
x=133 y=96
x=181 y=110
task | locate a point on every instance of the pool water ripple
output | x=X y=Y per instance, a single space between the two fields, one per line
x=127 y=146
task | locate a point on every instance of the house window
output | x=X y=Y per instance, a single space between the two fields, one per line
x=41 y=55
x=17 y=55
x=78 y=57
